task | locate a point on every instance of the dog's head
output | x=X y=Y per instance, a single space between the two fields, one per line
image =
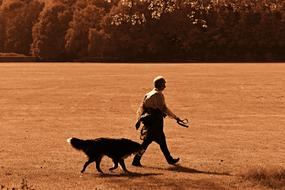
x=138 y=149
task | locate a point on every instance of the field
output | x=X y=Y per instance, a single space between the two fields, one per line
x=237 y=114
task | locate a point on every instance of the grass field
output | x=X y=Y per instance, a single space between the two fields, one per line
x=237 y=114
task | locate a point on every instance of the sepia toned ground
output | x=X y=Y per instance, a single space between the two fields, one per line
x=237 y=114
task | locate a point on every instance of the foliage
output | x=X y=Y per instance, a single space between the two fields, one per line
x=2 y=32
x=86 y=15
x=20 y=16
x=140 y=30
x=50 y=30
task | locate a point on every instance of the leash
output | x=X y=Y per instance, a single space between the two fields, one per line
x=183 y=122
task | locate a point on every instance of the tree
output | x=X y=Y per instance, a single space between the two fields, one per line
x=50 y=30
x=18 y=19
x=98 y=41
x=2 y=31
x=86 y=15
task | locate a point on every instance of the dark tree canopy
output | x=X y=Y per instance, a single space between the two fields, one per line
x=144 y=30
x=18 y=17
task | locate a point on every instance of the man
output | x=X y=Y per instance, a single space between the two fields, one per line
x=151 y=113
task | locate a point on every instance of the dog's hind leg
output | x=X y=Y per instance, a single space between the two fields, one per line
x=115 y=165
x=86 y=164
x=98 y=161
x=122 y=163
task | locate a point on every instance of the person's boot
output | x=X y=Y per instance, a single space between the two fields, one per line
x=137 y=161
x=173 y=161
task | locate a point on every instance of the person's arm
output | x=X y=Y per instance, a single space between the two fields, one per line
x=171 y=114
x=140 y=111
x=139 y=114
x=162 y=106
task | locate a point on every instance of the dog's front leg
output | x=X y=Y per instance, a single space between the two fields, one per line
x=122 y=163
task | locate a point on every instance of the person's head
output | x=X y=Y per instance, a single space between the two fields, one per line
x=159 y=82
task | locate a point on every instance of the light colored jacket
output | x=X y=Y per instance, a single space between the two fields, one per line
x=155 y=100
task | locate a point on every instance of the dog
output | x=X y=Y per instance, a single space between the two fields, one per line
x=116 y=149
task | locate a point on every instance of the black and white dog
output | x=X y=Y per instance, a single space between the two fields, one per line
x=116 y=149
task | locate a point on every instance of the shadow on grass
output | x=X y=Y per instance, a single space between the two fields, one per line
x=129 y=175
x=182 y=169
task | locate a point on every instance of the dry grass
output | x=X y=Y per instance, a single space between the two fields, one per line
x=24 y=186
x=12 y=55
x=237 y=115
x=270 y=177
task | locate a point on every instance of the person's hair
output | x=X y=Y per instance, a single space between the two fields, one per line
x=158 y=81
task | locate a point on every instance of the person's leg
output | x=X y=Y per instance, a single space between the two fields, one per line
x=136 y=161
x=163 y=146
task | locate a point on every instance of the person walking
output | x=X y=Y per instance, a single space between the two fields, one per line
x=151 y=113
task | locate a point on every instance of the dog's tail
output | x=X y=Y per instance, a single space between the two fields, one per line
x=76 y=143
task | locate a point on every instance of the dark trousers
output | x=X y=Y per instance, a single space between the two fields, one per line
x=163 y=146
x=154 y=132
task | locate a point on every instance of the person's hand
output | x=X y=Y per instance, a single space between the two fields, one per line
x=182 y=122
x=138 y=124
x=178 y=119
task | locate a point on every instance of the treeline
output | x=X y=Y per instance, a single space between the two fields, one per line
x=144 y=30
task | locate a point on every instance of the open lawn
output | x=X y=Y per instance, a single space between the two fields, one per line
x=237 y=114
